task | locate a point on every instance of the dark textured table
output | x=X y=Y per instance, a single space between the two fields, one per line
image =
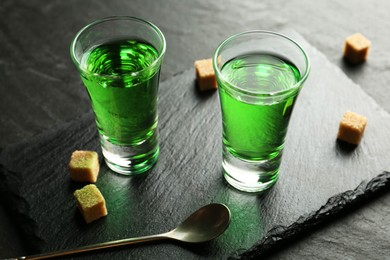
x=40 y=88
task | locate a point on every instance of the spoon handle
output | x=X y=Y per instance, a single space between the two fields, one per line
x=110 y=244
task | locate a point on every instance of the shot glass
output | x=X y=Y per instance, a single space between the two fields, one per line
x=119 y=60
x=259 y=75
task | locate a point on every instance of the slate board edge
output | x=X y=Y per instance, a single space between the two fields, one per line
x=25 y=225
x=335 y=206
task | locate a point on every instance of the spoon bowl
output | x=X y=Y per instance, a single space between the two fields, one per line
x=203 y=225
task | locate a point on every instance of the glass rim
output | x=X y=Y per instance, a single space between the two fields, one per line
x=117 y=18
x=262 y=94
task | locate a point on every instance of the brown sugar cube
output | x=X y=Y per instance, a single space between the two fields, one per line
x=205 y=75
x=91 y=203
x=84 y=166
x=352 y=127
x=356 y=48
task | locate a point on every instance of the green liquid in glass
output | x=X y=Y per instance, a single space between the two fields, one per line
x=255 y=126
x=123 y=88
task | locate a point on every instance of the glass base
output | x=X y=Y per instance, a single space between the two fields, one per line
x=130 y=160
x=250 y=176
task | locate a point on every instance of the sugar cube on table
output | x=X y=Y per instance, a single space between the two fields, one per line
x=205 y=75
x=356 y=48
x=91 y=203
x=352 y=127
x=84 y=166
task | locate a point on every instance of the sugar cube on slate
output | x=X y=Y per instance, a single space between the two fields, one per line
x=352 y=127
x=91 y=203
x=356 y=48
x=205 y=75
x=84 y=166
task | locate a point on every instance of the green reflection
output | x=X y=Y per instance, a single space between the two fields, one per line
x=246 y=225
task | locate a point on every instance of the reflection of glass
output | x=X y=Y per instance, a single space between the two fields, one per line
x=119 y=60
x=259 y=75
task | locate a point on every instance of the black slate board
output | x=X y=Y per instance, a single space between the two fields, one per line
x=189 y=174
